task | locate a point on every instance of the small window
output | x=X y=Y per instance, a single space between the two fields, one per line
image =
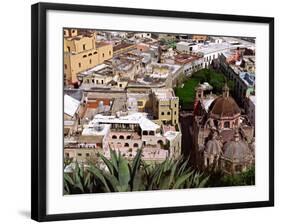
x=68 y=48
x=128 y=137
x=95 y=52
x=120 y=85
x=140 y=103
x=226 y=124
x=90 y=54
x=136 y=145
x=84 y=47
x=162 y=113
x=79 y=154
x=64 y=32
x=175 y=112
x=114 y=137
x=79 y=64
x=121 y=137
x=103 y=55
x=90 y=61
x=67 y=154
x=175 y=105
x=87 y=154
x=168 y=113
x=65 y=66
x=126 y=144
x=73 y=31
x=109 y=53
x=84 y=56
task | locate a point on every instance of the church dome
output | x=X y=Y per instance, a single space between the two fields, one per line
x=237 y=150
x=224 y=107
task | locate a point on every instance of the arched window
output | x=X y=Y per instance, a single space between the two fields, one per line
x=126 y=144
x=90 y=54
x=84 y=56
x=160 y=142
x=121 y=137
x=226 y=124
x=168 y=113
x=145 y=133
x=162 y=113
x=114 y=137
x=136 y=145
x=128 y=137
x=151 y=132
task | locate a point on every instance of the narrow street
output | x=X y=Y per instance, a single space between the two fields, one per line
x=186 y=119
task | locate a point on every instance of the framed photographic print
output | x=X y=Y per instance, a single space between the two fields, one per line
x=138 y=111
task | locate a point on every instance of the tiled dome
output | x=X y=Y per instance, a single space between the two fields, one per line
x=236 y=150
x=224 y=107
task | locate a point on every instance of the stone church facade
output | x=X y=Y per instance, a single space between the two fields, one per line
x=223 y=137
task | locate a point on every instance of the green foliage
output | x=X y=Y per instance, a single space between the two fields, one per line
x=121 y=175
x=187 y=93
x=242 y=179
x=172 y=174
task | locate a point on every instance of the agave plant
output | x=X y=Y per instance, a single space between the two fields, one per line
x=78 y=181
x=121 y=175
x=174 y=174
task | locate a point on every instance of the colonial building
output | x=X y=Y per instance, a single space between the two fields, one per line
x=125 y=133
x=165 y=106
x=240 y=69
x=223 y=138
x=81 y=52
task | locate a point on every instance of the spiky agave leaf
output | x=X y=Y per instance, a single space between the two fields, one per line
x=98 y=173
x=123 y=173
x=134 y=168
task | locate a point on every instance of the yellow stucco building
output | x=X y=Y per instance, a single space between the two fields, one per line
x=166 y=106
x=81 y=52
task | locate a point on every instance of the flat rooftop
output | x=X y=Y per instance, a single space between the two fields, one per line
x=135 y=118
x=163 y=93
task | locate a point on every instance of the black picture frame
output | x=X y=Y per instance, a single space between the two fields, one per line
x=39 y=114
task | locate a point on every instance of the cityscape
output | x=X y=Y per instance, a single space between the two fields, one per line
x=153 y=111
